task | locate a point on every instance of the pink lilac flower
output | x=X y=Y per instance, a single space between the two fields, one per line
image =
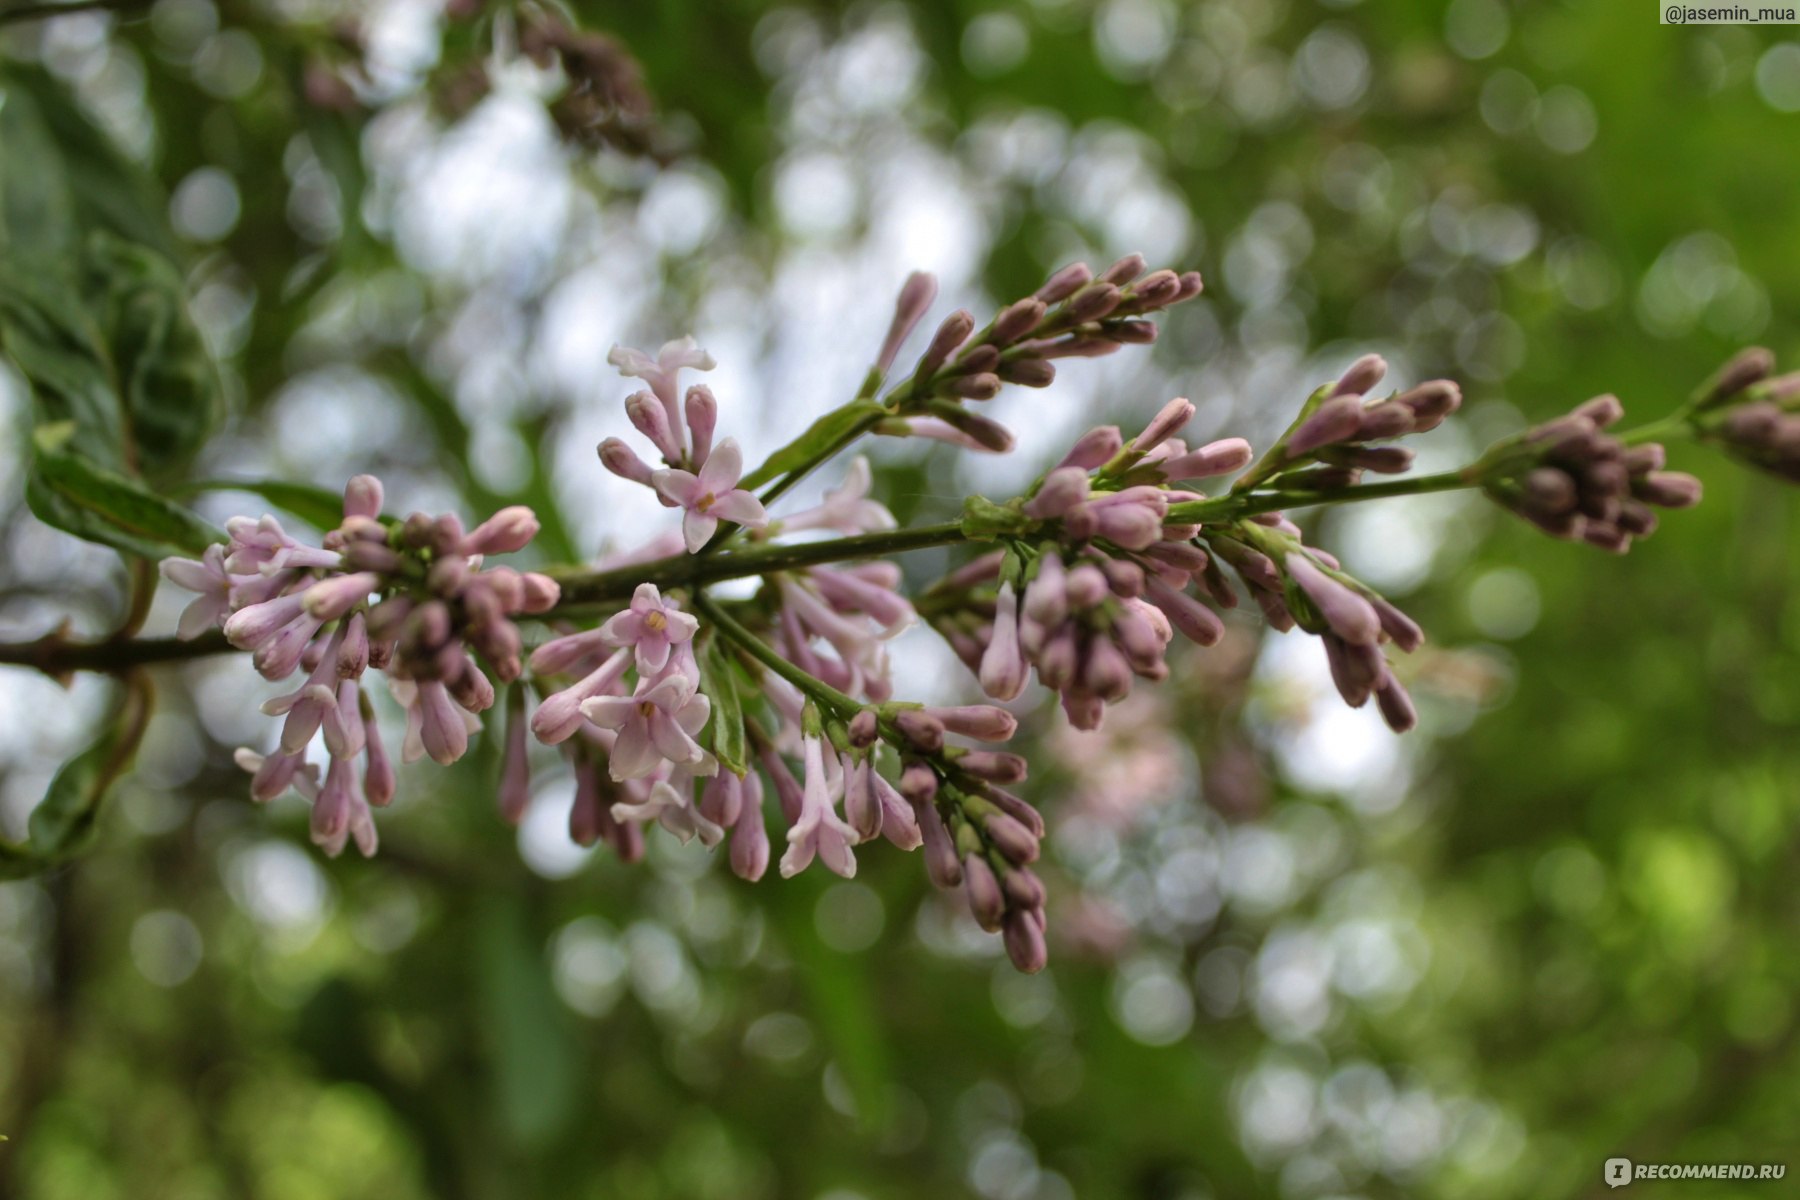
x=209 y=578
x=749 y=836
x=662 y=374
x=819 y=831
x=655 y=726
x=651 y=626
x=436 y=724
x=670 y=803
x=711 y=496
x=846 y=509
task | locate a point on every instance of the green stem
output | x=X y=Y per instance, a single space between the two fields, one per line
x=1229 y=507
x=691 y=570
x=584 y=588
x=820 y=691
x=1668 y=429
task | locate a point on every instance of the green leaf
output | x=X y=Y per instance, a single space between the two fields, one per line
x=166 y=381
x=533 y=1052
x=92 y=502
x=319 y=507
x=37 y=203
x=57 y=347
x=63 y=823
x=60 y=176
x=820 y=439
x=727 y=725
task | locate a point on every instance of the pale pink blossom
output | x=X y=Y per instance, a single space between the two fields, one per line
x=711 y=496
x=671 y=806
x=663 y=372
x=846 y=508
x=655 y=726
x=651 y=627
x=263 y=546
x=559 y=716
x=819 y=831
x=208 y=577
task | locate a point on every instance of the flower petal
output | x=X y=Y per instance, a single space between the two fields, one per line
x=740 y=506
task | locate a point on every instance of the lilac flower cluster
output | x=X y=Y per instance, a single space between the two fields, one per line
x=1075 y=314
x=1754 y=414
x=1573 y=480
x=413 y=600
x=626 y=697
x=1303 y=586
x=687 y=711
x=1341 y=432
x=700 y=478
x=1098 y=601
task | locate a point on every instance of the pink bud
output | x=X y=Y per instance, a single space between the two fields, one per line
x=1094 y=449
x=1214 y=458
x=1063 y=489
x=510 y=529
x=362 y=497
x=647 y=413
x=329 y=599
x=623 y=461
x=1333 y=421
x=984 y=722
x=1065 y=283
x=985 y=899
x=702 y=419
x=1360 y=376
x=949 y=336
x=916 y=296
x=1125 y=270
x=1024 y=939
x=1164 y=425
x=1016 y=320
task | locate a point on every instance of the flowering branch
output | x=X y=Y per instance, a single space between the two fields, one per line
x=678 y=711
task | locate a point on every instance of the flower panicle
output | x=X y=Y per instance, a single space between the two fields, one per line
x=1574 y=480
x=1077 y=313
x=414 y=600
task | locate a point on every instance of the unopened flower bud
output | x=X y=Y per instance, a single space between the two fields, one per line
x=1361 y=376
x=916 y=296
x=949 y=336
x=921 y=729
x=1668 y=489
x=1065 y=283
x=702 y=414
x=1028 y=372
x=363 y=497
x=983 y=386
x=1125 y=270
x=1094 y=449
x=986 y=901
x=1016 y=320
x=1175 y=414
x=1336 y=420
x=1093 y=302
x=1024 y=939
x=623 y=461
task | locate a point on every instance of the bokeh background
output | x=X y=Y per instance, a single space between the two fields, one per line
x=1296 y=957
